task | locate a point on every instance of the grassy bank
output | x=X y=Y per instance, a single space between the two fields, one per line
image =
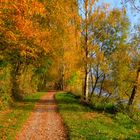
x=12 y=120
x=84 y=123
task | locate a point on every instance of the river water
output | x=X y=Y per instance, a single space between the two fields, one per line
x=105 y=94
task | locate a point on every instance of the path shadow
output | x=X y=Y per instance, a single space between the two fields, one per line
x=41 y=101
x=41 y=105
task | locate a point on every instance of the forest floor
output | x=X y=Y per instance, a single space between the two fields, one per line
x=45 y=122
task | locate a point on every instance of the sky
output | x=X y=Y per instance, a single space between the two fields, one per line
x=134 y=16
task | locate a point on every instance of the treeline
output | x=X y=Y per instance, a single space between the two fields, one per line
x=68 y=45
x=35 y=36
x=111 y=54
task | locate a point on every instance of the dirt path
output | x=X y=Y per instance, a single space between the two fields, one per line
x=45 y=122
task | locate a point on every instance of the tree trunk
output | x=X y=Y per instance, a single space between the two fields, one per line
x=94 y=86
x=15 y=73
x=134 y=91
x=63 y=78
x=86 y=79
x=86 y=85
x=100 y=93
x=96 y=81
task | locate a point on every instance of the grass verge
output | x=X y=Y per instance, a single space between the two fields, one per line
x=12 y=120
x=84 y=123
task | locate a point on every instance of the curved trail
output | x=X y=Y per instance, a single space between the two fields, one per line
x=45 y=122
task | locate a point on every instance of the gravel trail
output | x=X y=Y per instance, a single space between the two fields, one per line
x=44 y=123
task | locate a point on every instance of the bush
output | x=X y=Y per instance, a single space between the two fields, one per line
x=5 y=87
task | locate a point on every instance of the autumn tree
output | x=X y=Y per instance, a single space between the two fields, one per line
x=64 y=24
x=101 y=35
x=22 y=39
x=108 y=35
x=134 y=43
x=86 y=10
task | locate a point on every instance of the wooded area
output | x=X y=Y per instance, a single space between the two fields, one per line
x=74 y=46
x=87 y=50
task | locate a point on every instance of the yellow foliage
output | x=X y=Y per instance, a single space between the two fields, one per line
x=10 y=36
